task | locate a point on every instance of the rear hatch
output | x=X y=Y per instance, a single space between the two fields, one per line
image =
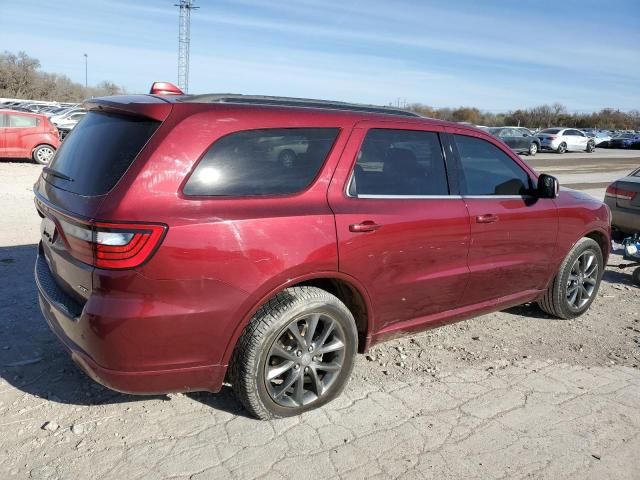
x=91 y=161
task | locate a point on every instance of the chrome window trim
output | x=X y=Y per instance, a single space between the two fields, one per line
x=498 y=196
x=407 y=197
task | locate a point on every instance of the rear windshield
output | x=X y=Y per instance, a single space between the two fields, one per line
x=98 y=152
x=276 y=161
x=551 y=130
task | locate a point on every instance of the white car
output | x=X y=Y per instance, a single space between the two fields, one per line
x=600 y=137
x=70 y=121
x=563 y=140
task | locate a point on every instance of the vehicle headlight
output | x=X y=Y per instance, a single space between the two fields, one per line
x=630 y=249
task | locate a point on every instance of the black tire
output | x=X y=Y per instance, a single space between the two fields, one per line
x=635 y=276
x=253 y=354
x=591 y=147
x=562 y=148
x=555 y=301
x=533 y=149
x=43 y=154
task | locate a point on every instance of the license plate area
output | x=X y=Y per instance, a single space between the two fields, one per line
x=48 y=230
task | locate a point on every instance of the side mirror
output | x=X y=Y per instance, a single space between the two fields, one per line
x=548 y=186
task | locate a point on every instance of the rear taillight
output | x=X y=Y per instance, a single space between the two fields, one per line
x=112 y=245
x=618 y=193
x=551 y=137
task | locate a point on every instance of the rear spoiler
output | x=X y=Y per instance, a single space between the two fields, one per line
x=149 y=106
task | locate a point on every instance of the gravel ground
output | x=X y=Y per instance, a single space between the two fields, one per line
x=513 y=394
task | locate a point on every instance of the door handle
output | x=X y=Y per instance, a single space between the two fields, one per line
x=366 y=226
x=488 y=218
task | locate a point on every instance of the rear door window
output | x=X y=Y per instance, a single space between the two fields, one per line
x=98 y=151
x=399 y=163
x=276 y=161
x=488 y=171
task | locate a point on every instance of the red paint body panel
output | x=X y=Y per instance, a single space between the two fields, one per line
x=172 y=323
x=20 y=142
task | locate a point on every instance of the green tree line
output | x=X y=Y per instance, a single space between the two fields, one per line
x=21 y=77
x=543 y=116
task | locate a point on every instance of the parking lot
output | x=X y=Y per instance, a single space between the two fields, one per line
x=513 y=394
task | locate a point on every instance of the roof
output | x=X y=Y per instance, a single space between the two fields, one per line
x=266 y=100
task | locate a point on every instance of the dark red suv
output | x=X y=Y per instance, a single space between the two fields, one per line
x=191 y=240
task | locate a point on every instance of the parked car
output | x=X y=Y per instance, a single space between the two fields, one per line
x=623 y=198
x=64 y=116
x=175 y=255
x=519 y=139
x=625 y=140
x=600 y=139
x=27 y=135
x=69 y=121
x=563 y=140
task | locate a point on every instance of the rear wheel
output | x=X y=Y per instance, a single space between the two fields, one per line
x=295 y=355
x=287 y=157
x=591 y=147
x=43 y=154
x=533 y=149
x=576 y=285
x=562 y=148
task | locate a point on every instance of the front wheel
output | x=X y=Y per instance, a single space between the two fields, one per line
x=295 y=355
x=43 y=154
x=533 y=149
x=562 y=148
x=576 y=285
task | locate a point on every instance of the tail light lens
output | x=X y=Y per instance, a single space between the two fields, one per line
x=618 y=193
x=112 y=245
x=551 y=137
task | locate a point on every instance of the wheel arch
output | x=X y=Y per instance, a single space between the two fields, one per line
x=344 y=287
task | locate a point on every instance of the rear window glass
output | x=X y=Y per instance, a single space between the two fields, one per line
x=262 y=162
x=98 y=151
x=550 y=130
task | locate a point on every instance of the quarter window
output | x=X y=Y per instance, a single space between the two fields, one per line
x=399 y=163
x=19 y=121
x=487 y=170
x=262 y=162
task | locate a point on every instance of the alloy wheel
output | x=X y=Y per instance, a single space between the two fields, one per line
x=582 y=280
x=305 y=360
x=533 y=149
x=44 y=154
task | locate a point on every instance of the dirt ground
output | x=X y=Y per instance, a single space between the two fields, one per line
x=513 y=394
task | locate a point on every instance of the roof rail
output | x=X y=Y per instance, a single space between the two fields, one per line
x=292 y=102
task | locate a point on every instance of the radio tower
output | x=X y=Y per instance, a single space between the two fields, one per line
x=184 y=39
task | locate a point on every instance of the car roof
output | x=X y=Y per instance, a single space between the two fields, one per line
x=345 y=110
x=20 y=112
x=267 y=100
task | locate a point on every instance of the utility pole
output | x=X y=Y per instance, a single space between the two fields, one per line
x=184 y=39
x=86 y=71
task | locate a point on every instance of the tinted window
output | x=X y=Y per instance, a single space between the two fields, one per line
x=487 y=170
x=262 y=162
x=550 y=130
x=399 y=162
x=99 y=150
x=20 y=121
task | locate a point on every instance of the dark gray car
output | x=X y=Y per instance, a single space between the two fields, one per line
x=623 y=198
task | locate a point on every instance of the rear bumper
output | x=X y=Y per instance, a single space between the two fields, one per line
x=625 y=220
x=73 y=327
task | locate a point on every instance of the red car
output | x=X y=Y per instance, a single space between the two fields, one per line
x=27 y=135
x=186 y=252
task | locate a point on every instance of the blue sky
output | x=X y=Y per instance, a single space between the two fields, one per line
x=496 y=55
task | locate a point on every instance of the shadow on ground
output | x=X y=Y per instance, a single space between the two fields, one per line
x=31 y=357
